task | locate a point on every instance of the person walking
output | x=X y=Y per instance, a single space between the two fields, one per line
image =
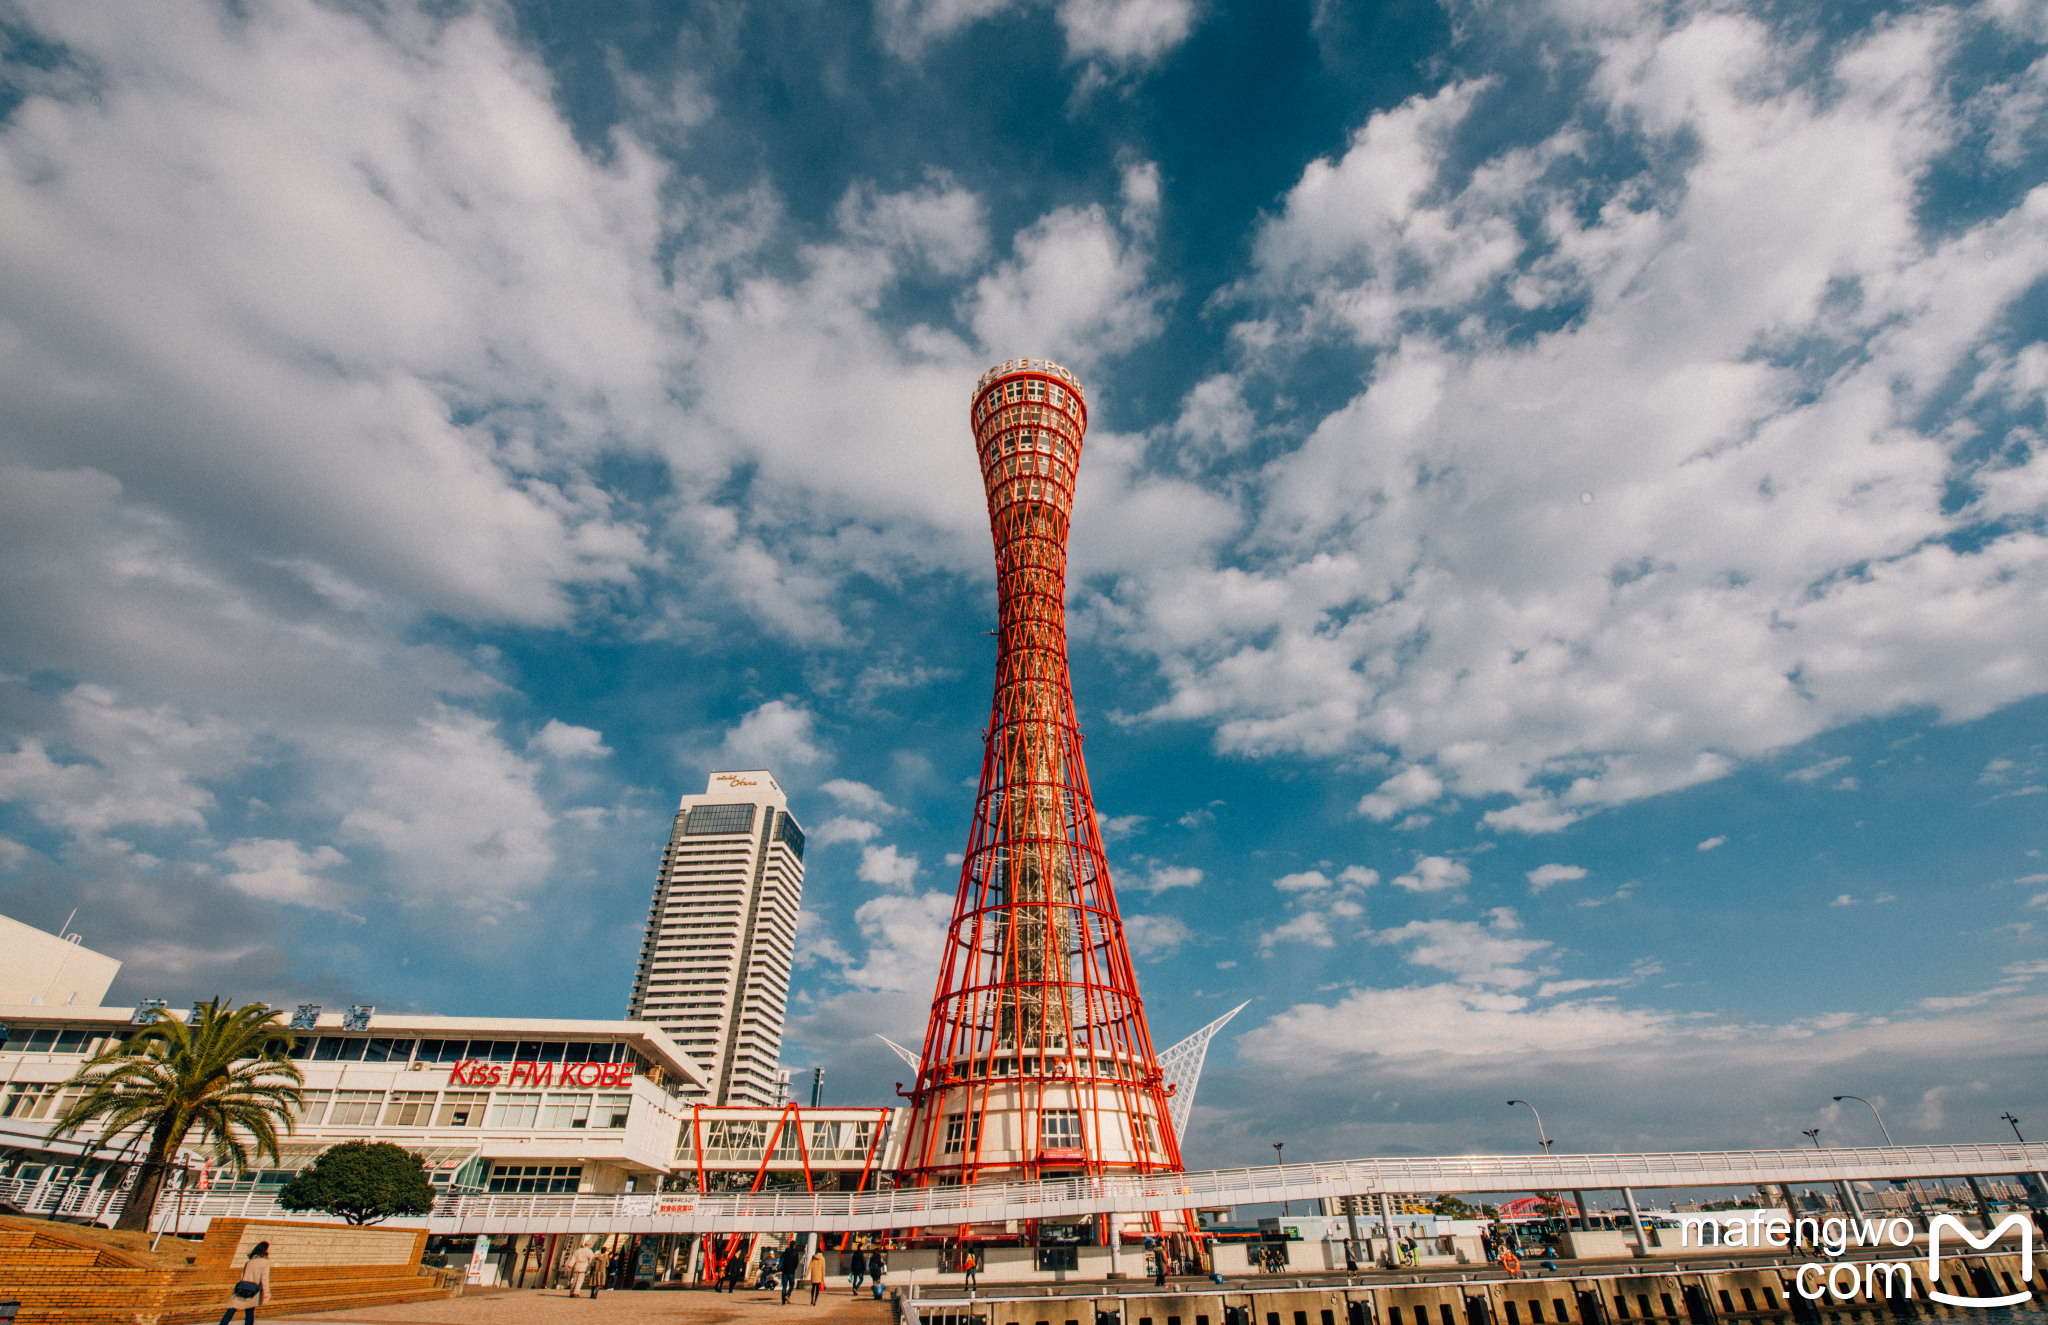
x=785 y=1270
x=857 y=1269
x=970 y=1262
x=817 y=1275
x=579 y=1268
x=600 y=1266
x=877 y=1267
x=252 y=1290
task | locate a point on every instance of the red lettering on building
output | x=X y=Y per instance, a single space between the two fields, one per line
x=534 y=1074
x=476 y=1072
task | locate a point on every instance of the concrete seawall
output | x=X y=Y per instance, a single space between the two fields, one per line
x=1706 y=1292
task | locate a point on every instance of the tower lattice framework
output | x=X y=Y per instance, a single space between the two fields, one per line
x=1037 y=1060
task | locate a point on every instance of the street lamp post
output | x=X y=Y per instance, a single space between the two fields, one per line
x=1882 y=1129
x=1539 y=1122
x=1813 y=1134
x=1279 y=1160
x=1886 y=1132
x=2036 y=1190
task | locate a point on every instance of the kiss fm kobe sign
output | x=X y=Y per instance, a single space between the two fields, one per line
x=477 y=1072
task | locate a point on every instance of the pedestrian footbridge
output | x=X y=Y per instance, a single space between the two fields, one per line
x=939 y=1207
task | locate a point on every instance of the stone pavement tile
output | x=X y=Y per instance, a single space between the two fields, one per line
x=651 y=1307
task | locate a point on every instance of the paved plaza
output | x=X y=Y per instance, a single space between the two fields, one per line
x=656 y=1307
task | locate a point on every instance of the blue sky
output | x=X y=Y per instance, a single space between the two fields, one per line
x=1557 y=584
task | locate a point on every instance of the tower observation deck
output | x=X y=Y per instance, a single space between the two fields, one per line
x=1037 y=1062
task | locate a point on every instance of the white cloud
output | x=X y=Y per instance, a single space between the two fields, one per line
x=1159 y=878
x=1767 y=554
x=1213 y=416
x=1552 y=988
x=454 y=811
x=1121 y=32
x=777 y=736
x=1125 y=30
x=909 y=25
x=1454 y=1020
x=1434 y=874
x=841 y=828
x=1155 y=936
x=1317 y=901
x=1544 y=875
x=1713 y=842
x=563 y=741
x=859 y=797
x=1310 y=927
x=283 y=871
x=142 y=765
x=1815 y=772
x=1079 y=285
x=886 y=867
x=1479 y=954
x=1411 y=787
x=905 y=935
x=1119 y=826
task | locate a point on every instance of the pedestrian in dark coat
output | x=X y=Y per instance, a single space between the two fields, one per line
x=785 y=1270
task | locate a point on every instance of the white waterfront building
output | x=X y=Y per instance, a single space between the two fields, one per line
x=490 y=1103
x=494 y=1106
x=721 y=934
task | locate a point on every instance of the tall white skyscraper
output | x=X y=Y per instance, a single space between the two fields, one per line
x=714 y=971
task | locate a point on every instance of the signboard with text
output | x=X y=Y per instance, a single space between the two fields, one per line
x=478 y=1072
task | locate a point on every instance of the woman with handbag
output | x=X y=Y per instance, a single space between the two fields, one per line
x=253 y=1290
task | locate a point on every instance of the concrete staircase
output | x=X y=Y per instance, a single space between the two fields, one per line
x=92 y=1276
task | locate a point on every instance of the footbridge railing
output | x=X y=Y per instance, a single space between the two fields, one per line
x=930 y=1207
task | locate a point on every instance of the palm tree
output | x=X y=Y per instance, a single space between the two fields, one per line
x=227 y=1072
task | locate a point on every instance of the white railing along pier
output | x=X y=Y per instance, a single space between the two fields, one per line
x=936 y=1207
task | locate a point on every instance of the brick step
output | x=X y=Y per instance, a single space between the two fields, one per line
x=31 y=1256
x=292 y=1274
x=343 y=1287
x=188 y=1306
x=180 y=1315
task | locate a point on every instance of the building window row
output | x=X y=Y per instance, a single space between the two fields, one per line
x=426 y=1108
x=377 y=1049
x=52 y=1040
x=30 y=1099
x=535 y=1177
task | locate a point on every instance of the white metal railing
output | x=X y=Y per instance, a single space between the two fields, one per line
x=79 y=1199
x=911 y=1207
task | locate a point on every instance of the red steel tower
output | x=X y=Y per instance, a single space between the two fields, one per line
x=1037 y=1061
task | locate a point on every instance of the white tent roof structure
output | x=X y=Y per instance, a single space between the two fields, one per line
x=901 y=1052
x=1182 y=1067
